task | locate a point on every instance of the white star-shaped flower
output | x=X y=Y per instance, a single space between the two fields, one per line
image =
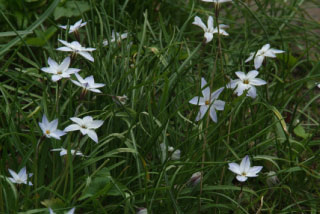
x=217 y=1
x=246 y=82
x=115 y=37
x=208 y=101
x=76 y=48
x=59 y=71
x=74 y=27
x=49 y=129
x=244 y=170
x=63 y=152
x=21 y=177
x=86 y=126
x=88 y=83
x=265 y=51
x=210 y=30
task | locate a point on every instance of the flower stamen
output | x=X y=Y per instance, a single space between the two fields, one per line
x=245 y=81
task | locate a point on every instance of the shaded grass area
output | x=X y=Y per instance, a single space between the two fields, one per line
x=159 y=67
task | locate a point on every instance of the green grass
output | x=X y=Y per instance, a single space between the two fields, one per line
x=159 y=68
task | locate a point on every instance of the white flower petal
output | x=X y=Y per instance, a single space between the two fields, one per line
x=235 y=168
x=86 y=55
x=64 y=49
x=252 y=92
x=197 y=101
x=257 y=81
x=97 y=85
x=240 y=88
x=252 y=74
x=241 y=178
x=258 y=61
x=23 y=173
x=65 y=64
x=210 y=22
x=58 y=133
x=205 y=91
x=202 y=112
x=269 y=53
x=53 y=124
x=199 y=22
x=253 y=171
x=245 y=164
x=265 y=48
x=250 y=57
x=77 y=120
x=94 y=90
x=241 y=75
x=71 y=211
x=216 y=93
x=93 y=135
x=232 y=84
x=276 y=51
x=208 y=36
x=14 y=175
x=72 y=127
x=213 y=114
x=56 y=78
x=45 y=121
x=95 y=124
x=52 y=63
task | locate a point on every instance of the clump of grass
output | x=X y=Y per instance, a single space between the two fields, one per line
x=150 y=153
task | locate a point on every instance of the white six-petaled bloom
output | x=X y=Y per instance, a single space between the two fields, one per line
x=208 y=101
x=217 y=1
x=76 y=48
x=21 y=177
x=265 y=51
x=63 y=152
x=210 y=29
x=59 y=71
x=74 y=27
x=246 y=82
x=244 y=170
x=86 y=126
x=115 y=37
x=49 y=129
x=88 y=83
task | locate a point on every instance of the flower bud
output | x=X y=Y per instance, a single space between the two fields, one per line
x=195 y=178
x=272 y=179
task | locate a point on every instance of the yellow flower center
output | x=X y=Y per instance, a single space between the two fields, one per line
x=207 y=102
x=47 y=131
x=59 y=72
x=83 y=126
x=245 y=81
x=244 y=174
